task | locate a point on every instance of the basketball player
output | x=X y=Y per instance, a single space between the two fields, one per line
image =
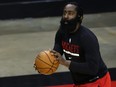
x=81 y=49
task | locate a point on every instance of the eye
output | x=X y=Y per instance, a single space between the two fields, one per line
x=70 y=13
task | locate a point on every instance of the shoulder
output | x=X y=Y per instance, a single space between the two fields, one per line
x=87 y=36
x=59 y=33
x=86 y=32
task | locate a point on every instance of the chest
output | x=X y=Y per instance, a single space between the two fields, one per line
x=72 y=49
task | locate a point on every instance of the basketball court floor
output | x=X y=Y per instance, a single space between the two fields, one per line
x=22 y=39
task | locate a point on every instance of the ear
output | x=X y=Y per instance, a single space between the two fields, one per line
x=81 y=17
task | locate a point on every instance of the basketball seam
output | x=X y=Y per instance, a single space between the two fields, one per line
x=50 y=65
x=50 y=61
x=46 y=63
x=50 y=69
x=48 y=56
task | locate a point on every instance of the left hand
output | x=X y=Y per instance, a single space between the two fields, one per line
x=60 y=58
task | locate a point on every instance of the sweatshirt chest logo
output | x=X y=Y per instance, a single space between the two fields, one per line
x=70 y=48
x=69 y=40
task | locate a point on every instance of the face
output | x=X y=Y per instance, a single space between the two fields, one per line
x=69 y=12
x=69 y=19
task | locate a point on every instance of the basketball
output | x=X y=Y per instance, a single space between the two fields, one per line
x=45 y=63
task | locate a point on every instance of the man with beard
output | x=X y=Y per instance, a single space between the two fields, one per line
x=81 y=49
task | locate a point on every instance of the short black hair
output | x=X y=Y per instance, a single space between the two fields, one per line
x=78 y=9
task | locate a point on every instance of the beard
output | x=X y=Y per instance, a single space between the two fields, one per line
x=69 y=25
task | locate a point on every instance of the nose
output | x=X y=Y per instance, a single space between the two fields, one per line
x=66 y=16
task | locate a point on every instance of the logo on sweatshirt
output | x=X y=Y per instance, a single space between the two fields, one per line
x=70 y=48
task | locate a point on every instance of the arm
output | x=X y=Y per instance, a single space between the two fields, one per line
x=58 y=42
x=92 y=55
x=58 y=51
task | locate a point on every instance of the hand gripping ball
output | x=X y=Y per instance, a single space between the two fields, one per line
x=46 y=63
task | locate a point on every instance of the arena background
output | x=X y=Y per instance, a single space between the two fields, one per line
x=29 y=26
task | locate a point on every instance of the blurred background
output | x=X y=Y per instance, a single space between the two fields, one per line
x=29 y=26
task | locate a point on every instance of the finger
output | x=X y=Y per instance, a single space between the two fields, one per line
x=35 y=67
x=52 y=51
x=52 y=54
x=57 y=58
x=56 y=55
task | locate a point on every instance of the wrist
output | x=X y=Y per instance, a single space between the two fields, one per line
x=67 y=63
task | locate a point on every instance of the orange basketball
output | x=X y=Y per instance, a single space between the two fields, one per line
x=45 y=63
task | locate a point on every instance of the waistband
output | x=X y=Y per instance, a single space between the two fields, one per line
x=94 y=79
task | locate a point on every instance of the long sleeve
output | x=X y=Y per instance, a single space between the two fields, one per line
x=58 y=42
x=92 y=56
